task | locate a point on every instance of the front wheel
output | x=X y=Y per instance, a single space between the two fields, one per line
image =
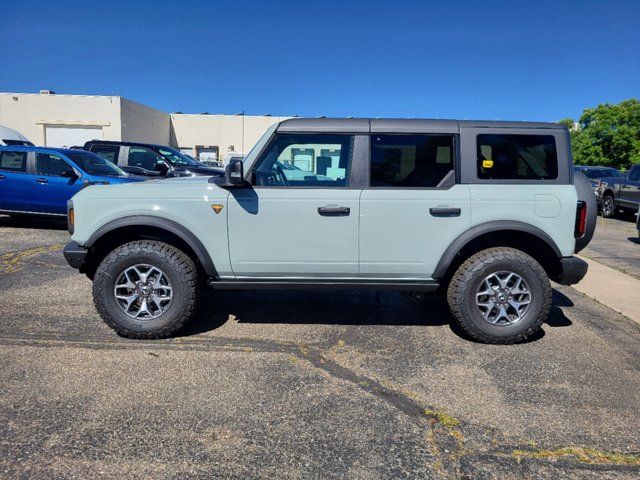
x=500 y=295
x=146 y=289
x=608 y=207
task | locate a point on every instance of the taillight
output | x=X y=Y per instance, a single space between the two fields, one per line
x=581 y=220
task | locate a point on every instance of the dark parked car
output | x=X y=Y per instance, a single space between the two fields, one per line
x=40 y=180
x=595 y=174
x=150 y=160
x=620 y=193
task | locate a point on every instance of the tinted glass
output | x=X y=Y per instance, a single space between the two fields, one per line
x=108 y=152
x=410 y=160
x=143 y=158
x=601 y=172
x=517 y=157
x=634 y=174
x=18 y=143
x=93 y=164
x=13 y=161
x=48 y=164
x=301 y=160
x=176 y=158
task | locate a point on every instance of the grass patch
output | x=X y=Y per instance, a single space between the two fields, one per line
x=445 y=419
x=582 y=454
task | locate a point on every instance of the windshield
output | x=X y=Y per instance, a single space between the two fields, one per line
x=177 y=158
x=602 y=173
x=95 y=165
x=19 y=143
x=253 y=153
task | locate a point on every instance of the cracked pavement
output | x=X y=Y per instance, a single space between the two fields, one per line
x=303 y=384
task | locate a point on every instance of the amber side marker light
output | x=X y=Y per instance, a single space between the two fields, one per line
x=71 y=220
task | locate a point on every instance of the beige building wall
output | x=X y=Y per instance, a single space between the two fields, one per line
x=30 y=113
x=144 y=124
x=121 y=119
x=239 y=132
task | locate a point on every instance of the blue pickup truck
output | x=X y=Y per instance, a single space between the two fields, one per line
x=40 y=180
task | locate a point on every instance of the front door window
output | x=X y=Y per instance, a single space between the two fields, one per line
x=305 y=160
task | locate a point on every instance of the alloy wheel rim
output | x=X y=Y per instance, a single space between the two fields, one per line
x=607 y=205
x=503 y=298
x=143 y=292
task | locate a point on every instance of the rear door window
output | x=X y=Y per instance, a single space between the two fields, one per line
x=410 y=160
x=517 y=157
x=13 y=161
x=634 y=174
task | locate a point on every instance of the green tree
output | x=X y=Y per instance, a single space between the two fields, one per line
x=608 y=135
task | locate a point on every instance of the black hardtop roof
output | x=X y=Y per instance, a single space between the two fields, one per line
x=399 y=125
x=127 y=144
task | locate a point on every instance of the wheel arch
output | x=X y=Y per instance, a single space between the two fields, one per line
x=137 y=227
x=500 y=233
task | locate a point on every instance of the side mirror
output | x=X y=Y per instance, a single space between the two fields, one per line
x=162 y=168
x=71 y=173
x=234 y=173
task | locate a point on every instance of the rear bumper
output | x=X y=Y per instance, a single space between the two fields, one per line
x=573 y=269
x=75 y=255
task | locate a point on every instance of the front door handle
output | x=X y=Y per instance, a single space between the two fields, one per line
x=444 y=212
x=2 y=177
x=42 y=181
x=334 y=211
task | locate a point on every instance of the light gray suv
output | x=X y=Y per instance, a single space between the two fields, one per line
x=487 y=212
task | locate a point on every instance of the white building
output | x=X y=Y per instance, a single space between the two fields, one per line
x=56 y=120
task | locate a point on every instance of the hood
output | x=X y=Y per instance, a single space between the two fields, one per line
x=115 y=179
x=199 y=170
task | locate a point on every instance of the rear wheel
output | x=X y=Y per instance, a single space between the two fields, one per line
x=500 y=295
x=608 y=207
x=146 y=289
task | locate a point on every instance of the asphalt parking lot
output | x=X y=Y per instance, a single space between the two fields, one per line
x=360 y=385
x=616 y=244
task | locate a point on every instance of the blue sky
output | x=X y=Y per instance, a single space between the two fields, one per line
x=479 y=59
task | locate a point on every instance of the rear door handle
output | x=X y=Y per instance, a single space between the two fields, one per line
x=334 y=211
x=2 y=177
x=42 y=180
x=444 y=212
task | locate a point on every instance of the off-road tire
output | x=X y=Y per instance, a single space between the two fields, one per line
x=182 y=274
x=461 y=294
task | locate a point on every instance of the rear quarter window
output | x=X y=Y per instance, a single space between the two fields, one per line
x=517 y=157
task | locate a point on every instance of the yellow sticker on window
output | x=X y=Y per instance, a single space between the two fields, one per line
x=487 y=164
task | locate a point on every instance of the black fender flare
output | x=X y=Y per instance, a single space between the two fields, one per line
x=463 y=239
x=587 y=195
x=165 y=224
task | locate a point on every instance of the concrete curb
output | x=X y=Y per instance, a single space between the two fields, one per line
x=612 y=288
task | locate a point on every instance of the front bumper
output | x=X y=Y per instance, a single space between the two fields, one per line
x=573 y=269
x=75 y=255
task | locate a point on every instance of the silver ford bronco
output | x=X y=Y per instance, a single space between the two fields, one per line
x=487 y=212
